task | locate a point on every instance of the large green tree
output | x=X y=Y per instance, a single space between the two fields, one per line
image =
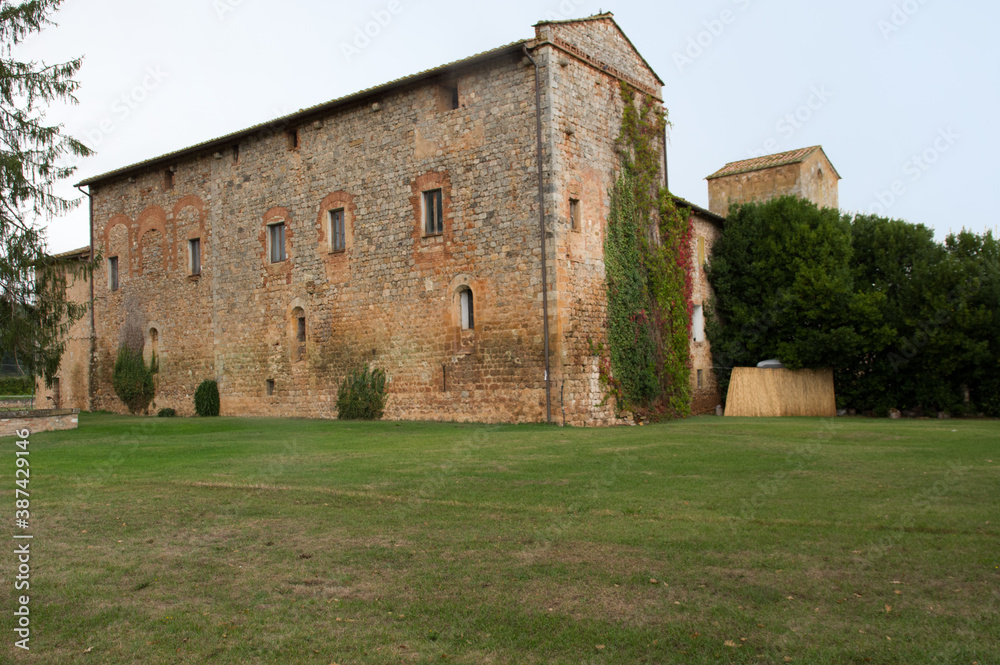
x=34 y=155
x=904 y=321
x=785 y=289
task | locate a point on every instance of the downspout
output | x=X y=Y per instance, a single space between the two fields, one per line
x=666 y=173
x=93 y=325
x=541 y=229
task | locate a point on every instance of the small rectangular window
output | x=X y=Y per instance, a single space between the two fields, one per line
x=574 y=214
x=698 y=324
x=194 y=255
x=300 y=334
x=113 y=273
x=338 y=241
x=270 y=387
x=433 y=217
x=276 y=241
x=293 y=139
x=701 y=379
x=168 y=179
x=236 y=154
x=447 y=96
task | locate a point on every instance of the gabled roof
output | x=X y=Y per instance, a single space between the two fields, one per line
x=311 y=112
x=610 y=17
x=770 y=162
x=708 y=214
x=83 y=254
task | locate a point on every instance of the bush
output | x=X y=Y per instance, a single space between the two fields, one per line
x=206 y=399
x=362 y=395
x=132 y=380
x=17 y=385
x=166 y=413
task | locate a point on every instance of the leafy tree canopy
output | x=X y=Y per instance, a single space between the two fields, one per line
x=903 y=320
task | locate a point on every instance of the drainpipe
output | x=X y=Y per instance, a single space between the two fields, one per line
x=541 y=229
x=93 y=326
x=666 y=174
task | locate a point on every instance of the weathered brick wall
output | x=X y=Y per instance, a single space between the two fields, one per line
x=706 y=397
x=390 y=298
x=585 y=114
x=50 y=420
x=72 y=388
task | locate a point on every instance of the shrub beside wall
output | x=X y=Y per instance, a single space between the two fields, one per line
x=132 y=380
x=206 y=399
x=362 y=395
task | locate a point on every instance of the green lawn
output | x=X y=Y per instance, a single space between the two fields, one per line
x=705 y=541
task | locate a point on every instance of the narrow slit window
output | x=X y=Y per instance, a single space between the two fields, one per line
x=433 y=216
x=113 y=273
x=453 y=96
x=276 y=241
x=293 y=139
x=574 y=214
x=269 y=386
x=338 y=240
x=300 y=331
x=701 y=379
x=236 y=154
x=194 y=255
x=698 y=323
x=466 y=304
x=168 y=179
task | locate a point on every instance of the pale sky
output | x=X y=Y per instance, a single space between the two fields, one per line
x=904 y=95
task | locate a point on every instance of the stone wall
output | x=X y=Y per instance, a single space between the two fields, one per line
x=813 y=179
x=584 y=122
x=390 y=298
x=51 y=420
x=17 y=403
x=706 y=396
x=71 y=388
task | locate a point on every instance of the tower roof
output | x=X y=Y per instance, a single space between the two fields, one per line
x=770 y=162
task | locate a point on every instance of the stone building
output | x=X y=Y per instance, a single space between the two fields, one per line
x=71 y=387
x=707 y=227
x=806 y=172
x=399 y=227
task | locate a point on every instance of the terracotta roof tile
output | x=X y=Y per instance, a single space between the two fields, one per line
x=767 y=162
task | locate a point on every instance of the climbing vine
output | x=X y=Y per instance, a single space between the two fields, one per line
x=646 y=367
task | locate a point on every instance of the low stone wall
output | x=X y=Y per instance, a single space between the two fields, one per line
x=44 y=420
x=16 y=403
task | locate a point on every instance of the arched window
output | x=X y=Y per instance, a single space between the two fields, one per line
x=467 y=309
x=154 y=350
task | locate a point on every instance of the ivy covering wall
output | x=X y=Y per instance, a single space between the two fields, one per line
x=646 y=366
